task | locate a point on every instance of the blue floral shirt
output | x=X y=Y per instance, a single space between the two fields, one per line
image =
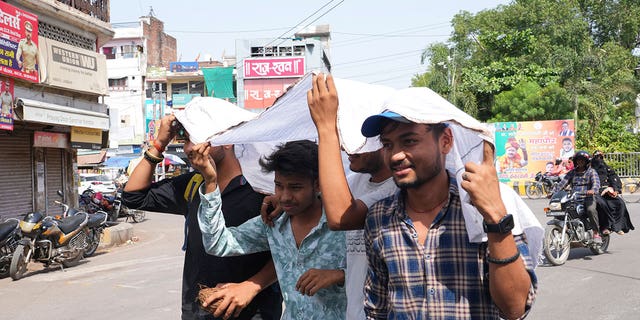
x=320 y=249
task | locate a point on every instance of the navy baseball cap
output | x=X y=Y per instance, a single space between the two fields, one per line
x=373 y=125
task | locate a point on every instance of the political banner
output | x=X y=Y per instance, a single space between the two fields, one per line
x=525 y=148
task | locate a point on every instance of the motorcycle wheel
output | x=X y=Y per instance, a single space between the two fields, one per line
x=71 y=262
x=4 y=270
x=555 y=250
x=93 y=238
x=138 y=215
x=18 y=262
x=533 y=191
x=113 y=216
x=600 y=249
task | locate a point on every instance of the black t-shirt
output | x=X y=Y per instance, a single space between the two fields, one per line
x=179 y=195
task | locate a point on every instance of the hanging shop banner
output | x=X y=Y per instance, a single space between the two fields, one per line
x=6 y=101
x=153 y=112
x=274 y=68
x=262 y=93
x=44 y=139
x=19 y=56
x=86 y=138
x=525 y=148
x=73 y=68
x=183 y=66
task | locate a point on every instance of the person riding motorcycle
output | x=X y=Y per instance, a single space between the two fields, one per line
x=612 y=211
x=585 y=183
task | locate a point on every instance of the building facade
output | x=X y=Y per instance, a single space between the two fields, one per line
x=266 y=67
x=53 y=80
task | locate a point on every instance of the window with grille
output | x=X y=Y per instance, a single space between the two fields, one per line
x=65 y=36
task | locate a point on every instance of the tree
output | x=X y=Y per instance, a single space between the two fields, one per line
x=542 y=59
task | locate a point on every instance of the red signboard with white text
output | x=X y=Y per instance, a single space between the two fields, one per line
x=262 y=93
x=19 y=57
x=274 y=68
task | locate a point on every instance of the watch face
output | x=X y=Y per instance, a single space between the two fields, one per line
x=506 y=224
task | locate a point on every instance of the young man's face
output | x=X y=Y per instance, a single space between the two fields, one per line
x=413 y=153
x=567 y=145
x=369 y=162
x=565 y=126
x=296 y=193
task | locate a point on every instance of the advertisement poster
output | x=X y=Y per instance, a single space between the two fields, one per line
x=525 y=148
x=19 y=57
x=72 y=68
x=6 y=101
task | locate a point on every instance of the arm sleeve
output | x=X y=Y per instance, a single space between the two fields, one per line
x=218 y=240
x=375 y=286
x=596 y=181
x=563 y=183
x=614 y=180
x=168 y=195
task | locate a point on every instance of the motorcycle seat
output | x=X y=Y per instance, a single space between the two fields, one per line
x=96 y=219
x=7 y=227
x=69 y=224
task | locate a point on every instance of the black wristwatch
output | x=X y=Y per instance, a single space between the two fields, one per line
x=503 y=226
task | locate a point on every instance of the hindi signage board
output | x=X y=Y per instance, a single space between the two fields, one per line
x=525 y=148
x=274 y=68
x=19 y=56
x=262 y=93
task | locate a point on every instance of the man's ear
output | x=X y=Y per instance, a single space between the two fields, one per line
x=446 y=140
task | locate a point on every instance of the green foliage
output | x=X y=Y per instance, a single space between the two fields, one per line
x=542 y=60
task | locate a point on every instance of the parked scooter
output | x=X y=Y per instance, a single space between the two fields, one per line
x=568 y=227
x=95 y=226
x=9 y=237
x=49 y=241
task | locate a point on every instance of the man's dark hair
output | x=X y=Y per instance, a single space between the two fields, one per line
x=567 y=139
x=293 y=158
x=438 y=129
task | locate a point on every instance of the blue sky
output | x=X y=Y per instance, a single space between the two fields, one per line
x=372 y=41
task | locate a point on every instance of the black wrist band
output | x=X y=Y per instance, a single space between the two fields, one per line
x=152 y=159
x=504 y=261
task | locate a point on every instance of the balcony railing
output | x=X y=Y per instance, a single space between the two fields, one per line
x=98 y=9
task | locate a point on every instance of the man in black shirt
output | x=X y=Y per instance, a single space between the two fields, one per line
x=179 y=195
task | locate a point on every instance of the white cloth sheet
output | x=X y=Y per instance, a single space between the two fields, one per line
x=289 y=119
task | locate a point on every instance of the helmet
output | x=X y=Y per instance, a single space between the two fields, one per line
x=582 y=154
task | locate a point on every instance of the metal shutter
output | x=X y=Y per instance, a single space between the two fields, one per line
x=54 y=172
x=16 y=170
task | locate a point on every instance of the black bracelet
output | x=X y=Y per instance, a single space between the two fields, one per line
x=152 y=159
x=504 y=261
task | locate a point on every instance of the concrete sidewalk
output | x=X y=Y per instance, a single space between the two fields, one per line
x=116 y=235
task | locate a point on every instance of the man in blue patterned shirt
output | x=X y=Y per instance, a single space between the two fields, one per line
x=421 y=262
x=308 y=256
x=585 y=183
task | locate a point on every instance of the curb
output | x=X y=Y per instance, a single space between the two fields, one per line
x=116 y=235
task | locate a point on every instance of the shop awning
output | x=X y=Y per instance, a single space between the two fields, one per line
x=220 y=80
x=119 y=161
x=49 y=113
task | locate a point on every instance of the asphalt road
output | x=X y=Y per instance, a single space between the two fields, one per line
x=142 y=280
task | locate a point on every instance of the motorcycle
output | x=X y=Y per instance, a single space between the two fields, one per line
x=568 y=227
x=543 y=185
x=49 y=241
x=123 y=211
x=9 y=237
x=93 y=201
x=95 y=225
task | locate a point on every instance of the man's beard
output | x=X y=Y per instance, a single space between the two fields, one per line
x=419 y=181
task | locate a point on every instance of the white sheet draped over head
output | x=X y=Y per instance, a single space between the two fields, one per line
x=289 y=119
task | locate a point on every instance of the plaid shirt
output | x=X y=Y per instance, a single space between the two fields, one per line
x=446 y=278
x=581 y=182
